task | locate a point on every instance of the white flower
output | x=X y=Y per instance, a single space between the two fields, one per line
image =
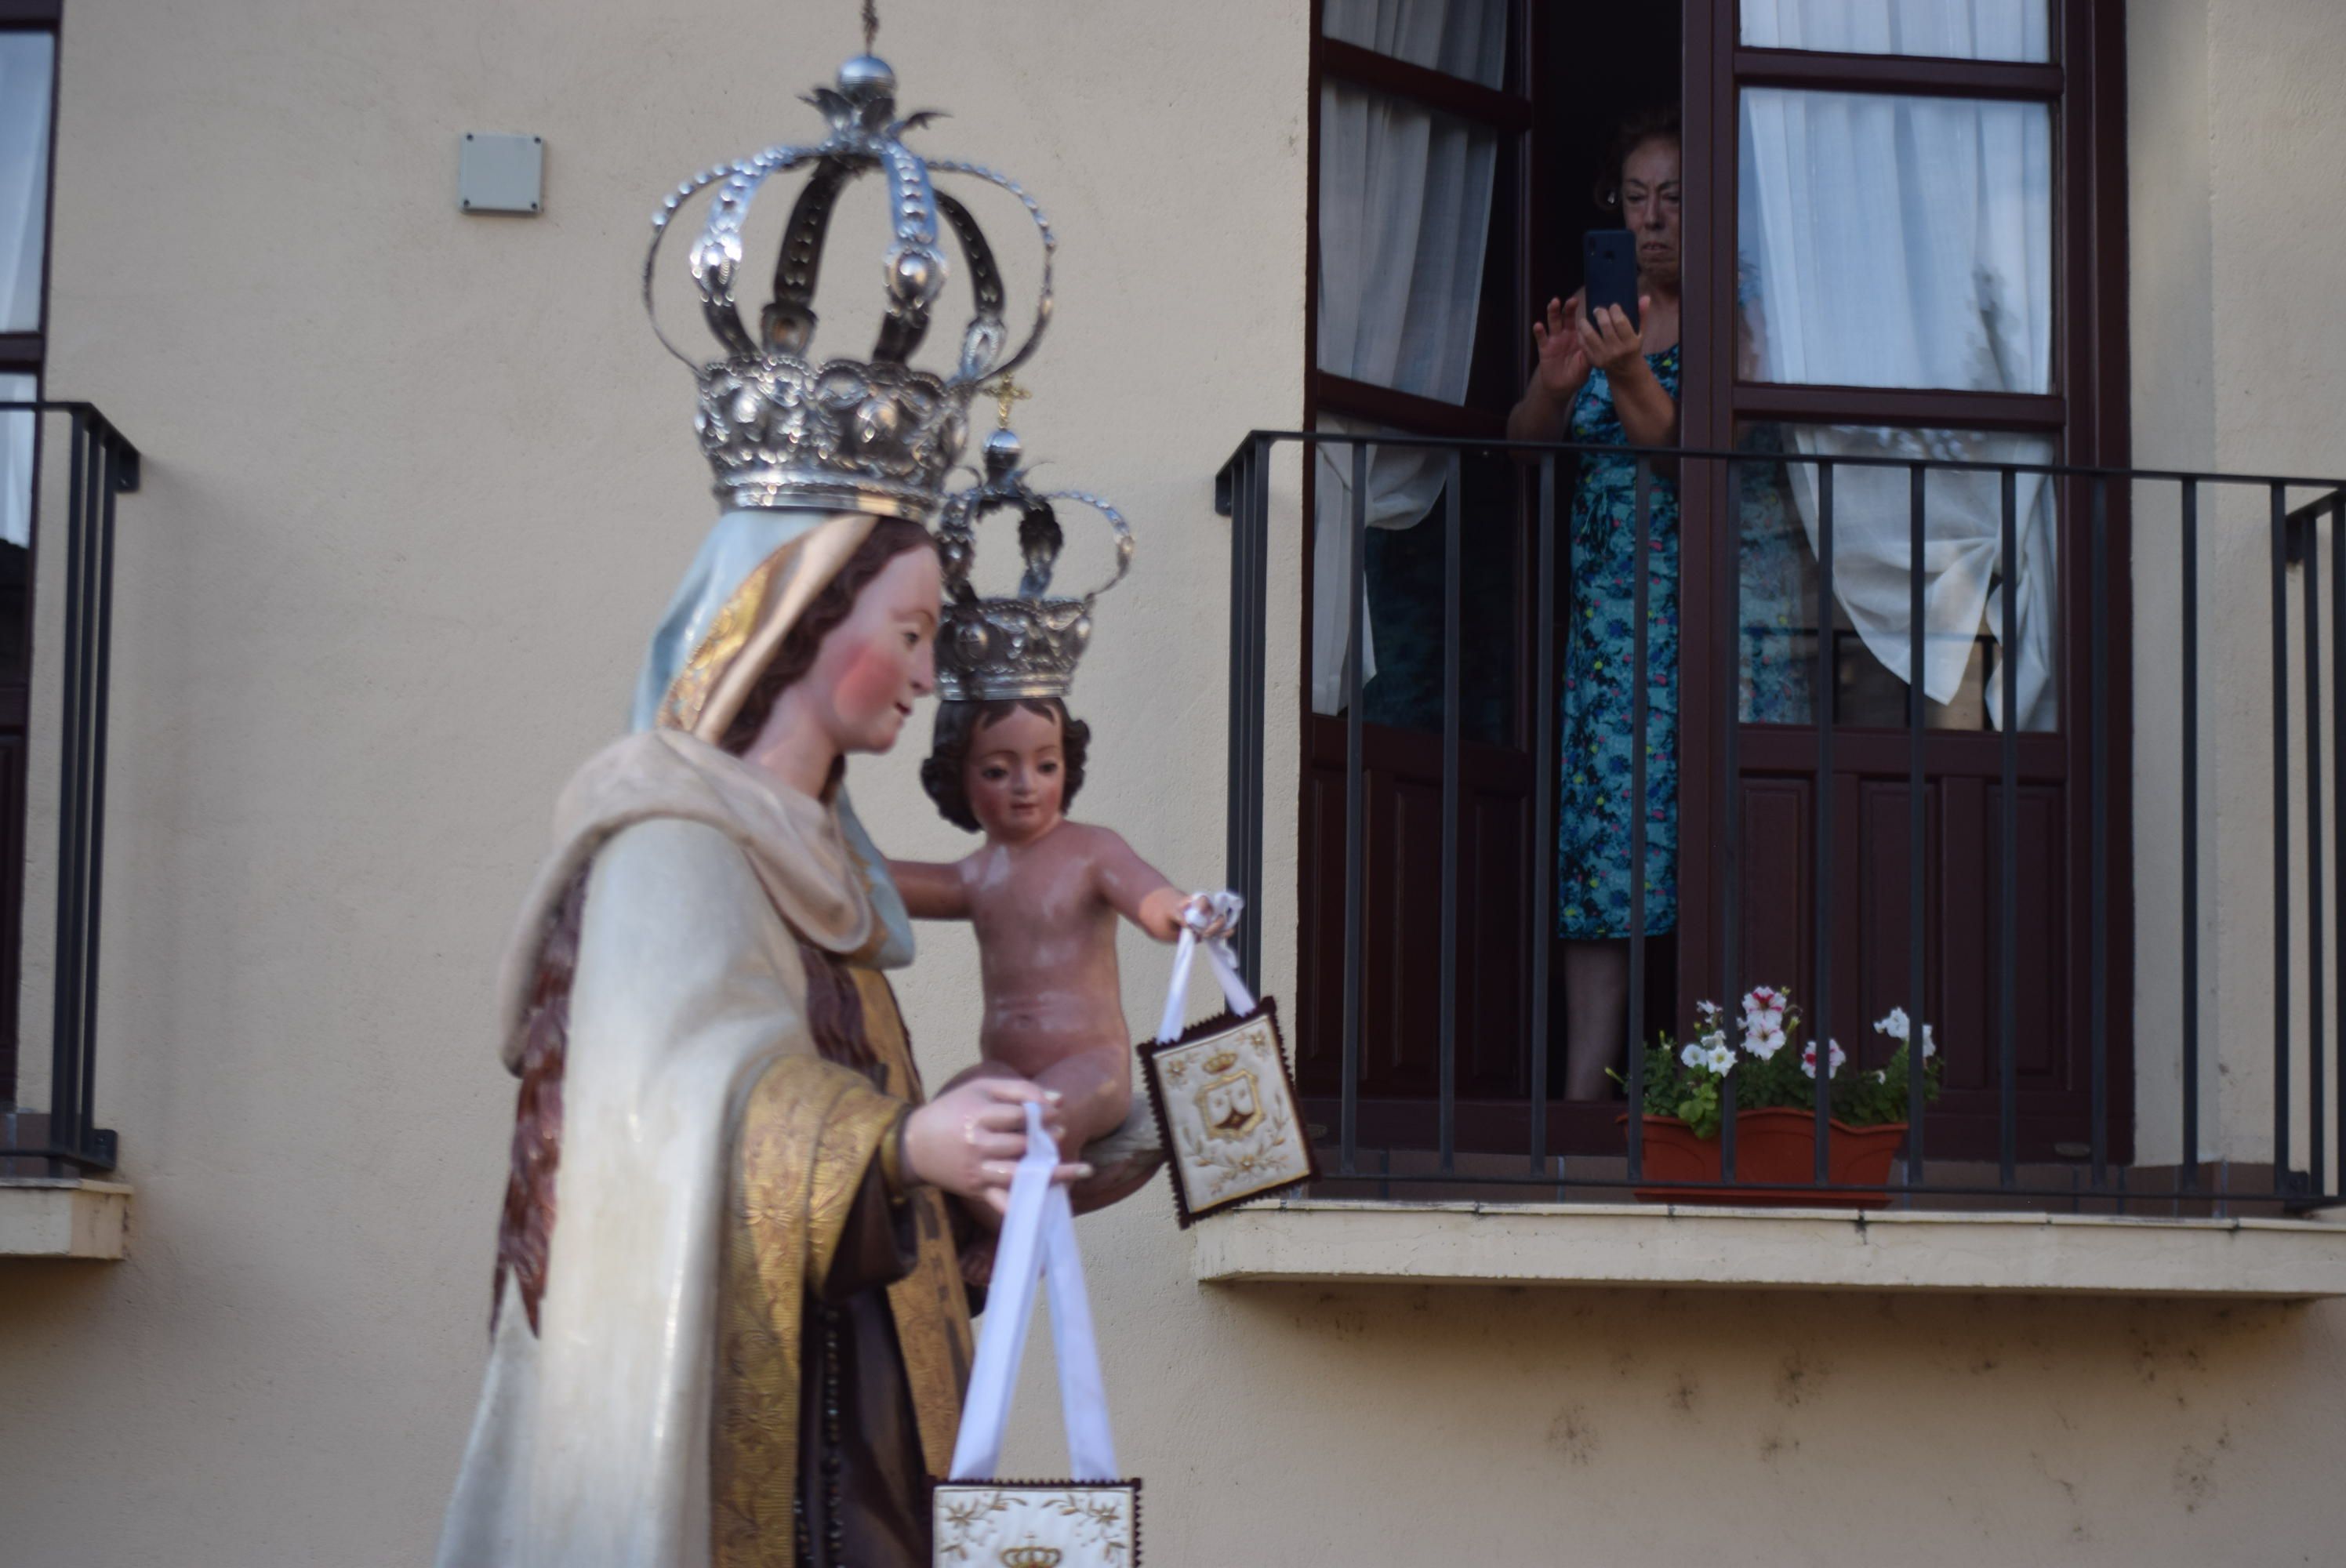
x=1929 y=1046
x=1760 y=999
x=1895 y=1025
x=1808 y=1060
x=1764 y=1042
x=1692 y=1055
x=1719 y=1059
x=1707 y=1011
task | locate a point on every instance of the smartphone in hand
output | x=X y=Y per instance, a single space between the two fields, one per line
x=1609 y=266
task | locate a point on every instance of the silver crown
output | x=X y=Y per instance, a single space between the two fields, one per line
x=877 y=435
x=1024 y=646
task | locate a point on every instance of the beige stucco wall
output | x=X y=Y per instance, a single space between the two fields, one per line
x=2237 y=338
x=416 y=486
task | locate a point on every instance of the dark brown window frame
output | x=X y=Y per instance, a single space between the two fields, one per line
x=2086 y=410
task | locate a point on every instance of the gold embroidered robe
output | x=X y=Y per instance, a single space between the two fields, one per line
x=718 y=1191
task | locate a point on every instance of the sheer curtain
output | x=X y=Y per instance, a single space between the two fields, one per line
x=1907 y=242
x=24 y=59
x=1951 y=30
x=1404 y=214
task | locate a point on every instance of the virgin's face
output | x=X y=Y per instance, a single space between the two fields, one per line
x=1649 y=207
x=1015 y=777
x=882 y=658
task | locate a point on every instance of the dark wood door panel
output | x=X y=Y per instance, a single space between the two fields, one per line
x=1963 y=935
x=1400 y=911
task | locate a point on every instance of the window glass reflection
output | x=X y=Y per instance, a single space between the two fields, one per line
x=1889 y=241
x=25 y=71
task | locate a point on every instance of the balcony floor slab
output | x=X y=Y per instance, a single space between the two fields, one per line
x=62 y=1217
x=1634 y=1246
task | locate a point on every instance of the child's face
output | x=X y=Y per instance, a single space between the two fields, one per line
x=1015 y=777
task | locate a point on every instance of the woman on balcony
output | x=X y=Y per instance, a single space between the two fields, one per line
x=1607 y=383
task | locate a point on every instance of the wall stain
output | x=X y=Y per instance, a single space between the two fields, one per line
x=2194 y=1471
x=1684 y=1393
x=1774 y=1446
x=1798 y=1380
x=1573 y=1435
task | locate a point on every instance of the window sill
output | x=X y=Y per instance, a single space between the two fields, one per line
x=43 y=1217
x=1637 y=1245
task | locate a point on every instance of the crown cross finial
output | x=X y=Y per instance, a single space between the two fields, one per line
x=1006 y=392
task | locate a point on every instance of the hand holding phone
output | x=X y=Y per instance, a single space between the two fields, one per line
x=1609 y=262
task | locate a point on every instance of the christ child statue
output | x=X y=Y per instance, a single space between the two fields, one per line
x=1043 y=894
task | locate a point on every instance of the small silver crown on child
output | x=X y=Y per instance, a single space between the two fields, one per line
x=1025 y=644
x=854 y=436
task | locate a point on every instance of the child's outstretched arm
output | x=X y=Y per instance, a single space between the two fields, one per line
x=932 y=889
x=1136 y=889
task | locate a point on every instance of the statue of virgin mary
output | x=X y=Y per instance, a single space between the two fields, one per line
x=729 y=1327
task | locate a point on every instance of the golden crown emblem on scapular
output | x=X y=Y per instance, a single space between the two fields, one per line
x=1222 y=1062
x=1030 y=1557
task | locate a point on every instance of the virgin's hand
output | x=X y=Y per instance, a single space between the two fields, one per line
x=970 y=1139
x=1563 y=361
x=1612 y=344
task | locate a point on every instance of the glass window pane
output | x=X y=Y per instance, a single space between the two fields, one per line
x=1457 y=38
x=1962 y=590
x=1948 y=29
x=1894 y=241
x=25 y=60
x=1404 y=222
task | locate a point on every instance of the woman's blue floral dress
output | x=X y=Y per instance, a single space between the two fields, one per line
x=1597 y=816
x=1594 y=823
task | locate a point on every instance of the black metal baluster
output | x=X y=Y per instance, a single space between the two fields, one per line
x=65 y=1042
x=2008 y=860
x=1917 y=825
x=1730 y=813
x=1249 y=525
x=1544 y=784
x=1820 y=1027
x=1638 y=678
x=2189 y=504
x=2316 y=943
x=2279 y=550
x=95 y=867
x=2100 y=653
x=1453 y=734
x=1355 y=798
x=2338 y=781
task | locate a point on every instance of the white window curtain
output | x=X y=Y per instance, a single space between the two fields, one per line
x=1907 y=242
x=1404 y=215
x=24 y=59
x=1949 y=29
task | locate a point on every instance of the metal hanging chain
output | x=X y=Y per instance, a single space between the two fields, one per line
x=870 y=24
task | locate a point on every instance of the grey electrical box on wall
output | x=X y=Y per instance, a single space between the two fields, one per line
x=501 y=173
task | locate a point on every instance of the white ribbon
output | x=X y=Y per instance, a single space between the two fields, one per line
x=1038 y=1235
x=1226 y=907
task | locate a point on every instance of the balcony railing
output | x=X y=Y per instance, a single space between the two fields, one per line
x=52 y=1128
x=2209 y=555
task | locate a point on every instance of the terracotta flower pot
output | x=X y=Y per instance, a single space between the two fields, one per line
x=1772 y=1148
